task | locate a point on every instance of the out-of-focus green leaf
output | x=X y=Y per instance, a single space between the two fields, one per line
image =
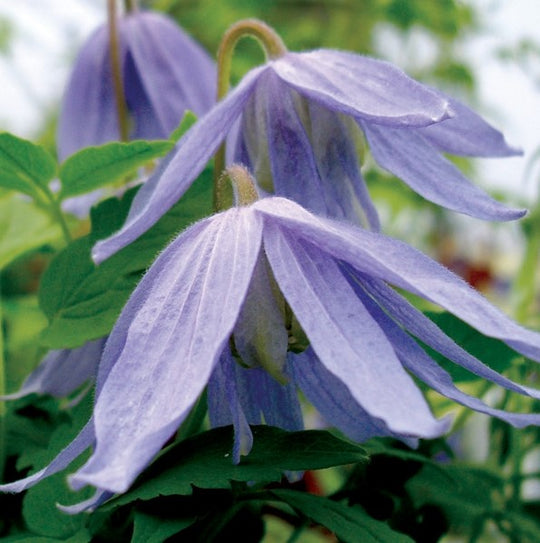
x=350 y=524
x=95 y=167
x=188 y=120
x=150 y=529
x=23 y=228
x=25 y=166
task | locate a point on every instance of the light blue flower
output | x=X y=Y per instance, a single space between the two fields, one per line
x=187 y=326
x=290 y=122
x=165 y=72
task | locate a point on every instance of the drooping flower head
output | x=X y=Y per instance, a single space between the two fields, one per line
x=164 y=73
x=189 y=323
x=291 y=122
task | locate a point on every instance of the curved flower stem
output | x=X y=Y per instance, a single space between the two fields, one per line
x=273 y=48
x=131 y=6
x=118 y=84
x=242 y=184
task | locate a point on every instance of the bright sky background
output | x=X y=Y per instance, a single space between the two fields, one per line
x=47 y=35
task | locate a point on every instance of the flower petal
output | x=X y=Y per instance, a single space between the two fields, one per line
x=183 y=165
x=362 y=87
x=224 y=406
x=99 y=497
x=467 y=134
x=62 y=372
x=409 y=156
x=425 y=368
x=333 y=400
x=397 y=263
x=346 y=339
x=84 y=439
x=166 y=343
x=416 y=323
x=89 y=89
x=171 y=73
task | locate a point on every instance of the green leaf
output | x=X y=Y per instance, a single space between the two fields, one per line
x=150 y=529
x=350 y=524
x=83 y=301
x=205 y=461
x=82 y=536
x=494 y=353
x=23 y=228
x=473 y=495
x=25 y=166
x=95 y=167
x=188 y=120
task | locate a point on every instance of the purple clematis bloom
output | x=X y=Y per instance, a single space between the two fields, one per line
x=190 y=318
x=293 y=119
x=164 y=72
x=62 y=372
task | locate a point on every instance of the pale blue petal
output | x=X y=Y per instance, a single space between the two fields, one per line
x=62 y=372
x=411 y=157
x=344 y=336
x=99 y=497
x=362 y=87
x=399 y=264
x=467 y=134
x=166 y=343
x=89 y=95
x=425 y=368
x=165 y=73
x=415 y=322
x=333 y=400
x=224 y=406
x=186 y=162
x=83 y=440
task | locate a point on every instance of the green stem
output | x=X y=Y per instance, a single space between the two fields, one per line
x=131 y=6
x=116 y=67
x=273 y=47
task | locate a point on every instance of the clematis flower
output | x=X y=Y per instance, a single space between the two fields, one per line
x=187 y=325
x=62 y=371
x=295 y=116
x=164 y=73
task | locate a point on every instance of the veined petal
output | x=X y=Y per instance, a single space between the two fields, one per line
x=166 y=343
x=99 y=497
x=346 y=339
x=173 y=72
x=397 y=263
x=224 y=406
x=62 y=371
x=84 y=439
x=409 y=156
x=345 y=190
x=89 y=89
x=362 y=87
x=467 y=134
x=425 y=368
x=416 y=323
x=186 y=162
x=333 y=400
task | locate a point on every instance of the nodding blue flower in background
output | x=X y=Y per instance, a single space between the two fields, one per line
x=189 y=323
x=290 y=122
x=164 y=72
x=62 y=372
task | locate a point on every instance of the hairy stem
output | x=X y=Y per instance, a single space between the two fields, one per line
x=273 y=47
x=116 y=68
